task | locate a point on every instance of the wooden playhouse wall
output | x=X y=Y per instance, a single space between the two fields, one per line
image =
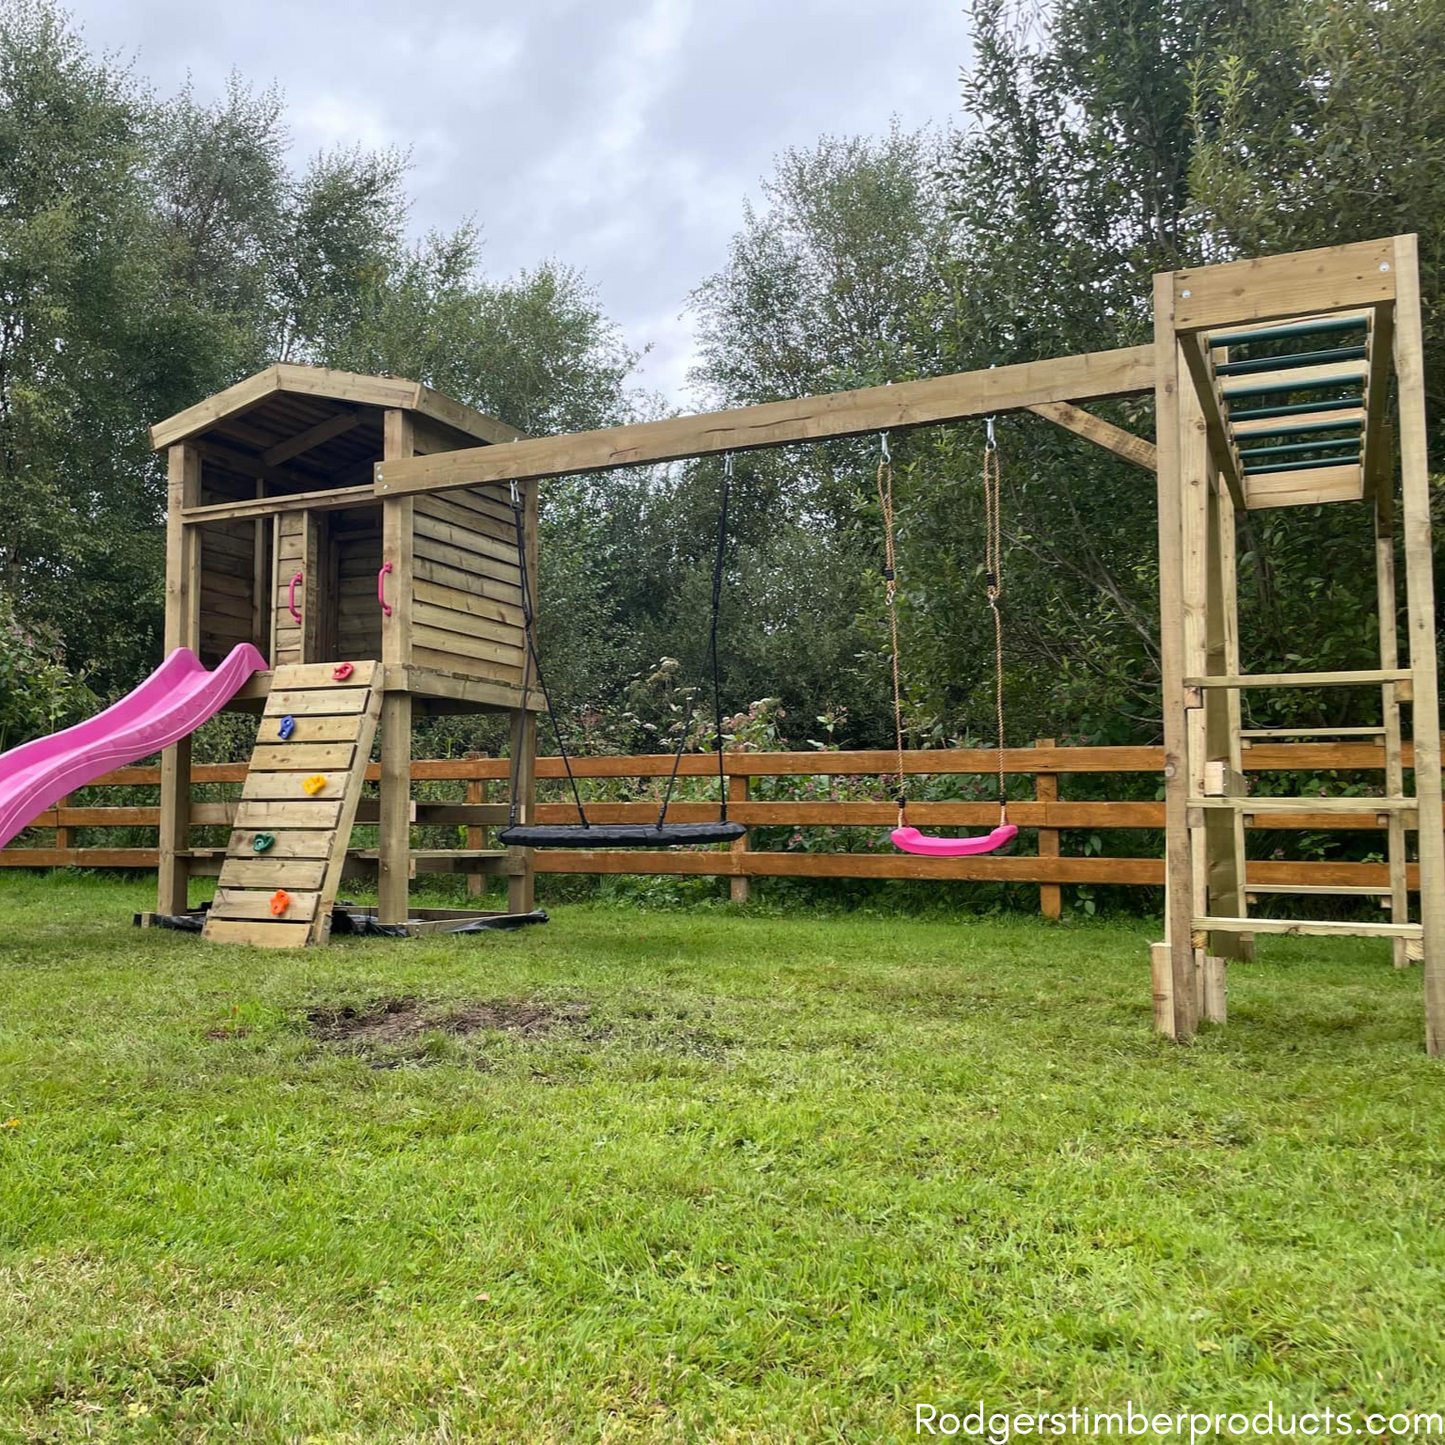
x=467 y=596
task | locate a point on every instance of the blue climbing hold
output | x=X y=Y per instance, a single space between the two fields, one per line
x=288 y=726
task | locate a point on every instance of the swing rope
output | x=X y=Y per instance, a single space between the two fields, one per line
x=993 y=585
x=993 y=590
x=532 y=662
x=717 y=581
x=890 y=582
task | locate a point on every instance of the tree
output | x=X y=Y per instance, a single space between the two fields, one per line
x=84 y=326
x=155 y=251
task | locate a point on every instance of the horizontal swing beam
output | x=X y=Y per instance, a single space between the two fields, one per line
x=1093 y=376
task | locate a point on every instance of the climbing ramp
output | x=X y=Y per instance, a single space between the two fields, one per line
x=288 y=848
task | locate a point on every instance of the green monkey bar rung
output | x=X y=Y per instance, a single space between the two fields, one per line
x=1286 y=363
x=1294 y=408
x=1283 y=388
x=1289 y=333
x=1350 y=443
x=1264 y=467
x=1300 y=428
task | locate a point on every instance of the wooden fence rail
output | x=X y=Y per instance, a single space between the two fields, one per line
x=1052 y=815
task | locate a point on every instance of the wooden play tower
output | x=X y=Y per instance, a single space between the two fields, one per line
x=1292 y=381
x=277 y=537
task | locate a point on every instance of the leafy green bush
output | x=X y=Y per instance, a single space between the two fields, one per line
x=38 y=691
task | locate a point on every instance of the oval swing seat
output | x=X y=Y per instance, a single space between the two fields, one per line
x=910 y=840
x=618 y=835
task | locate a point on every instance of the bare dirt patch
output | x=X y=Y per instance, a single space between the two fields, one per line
x=393 y=1021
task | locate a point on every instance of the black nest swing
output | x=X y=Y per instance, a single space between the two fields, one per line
x=584 y=834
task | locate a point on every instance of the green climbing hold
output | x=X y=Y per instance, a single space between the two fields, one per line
x=261 y=842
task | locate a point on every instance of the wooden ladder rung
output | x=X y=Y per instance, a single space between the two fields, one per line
x=1312 y=732
x=1362 y=678
x=1305 y=805
x=461 y=853
x=1308 y=928
x=1327 y=890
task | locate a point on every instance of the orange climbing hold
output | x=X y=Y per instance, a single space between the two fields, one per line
x=280 y=902
x=313 y=784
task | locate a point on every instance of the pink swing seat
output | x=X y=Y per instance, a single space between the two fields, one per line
x=910 y=840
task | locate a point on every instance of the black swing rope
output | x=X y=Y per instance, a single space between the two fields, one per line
x=622 y=835
x=532 y=662
x=717 y=581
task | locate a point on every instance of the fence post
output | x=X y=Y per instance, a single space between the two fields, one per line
x=740 y=885
x=476 y=832
x=63 y=839
x=1046 y=790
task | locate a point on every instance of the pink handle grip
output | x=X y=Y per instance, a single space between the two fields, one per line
x=381 y=588
x=291 y=596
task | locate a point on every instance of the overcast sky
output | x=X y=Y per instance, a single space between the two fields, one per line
x=619 y=136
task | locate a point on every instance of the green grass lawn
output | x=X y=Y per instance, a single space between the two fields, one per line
x=717 y=1177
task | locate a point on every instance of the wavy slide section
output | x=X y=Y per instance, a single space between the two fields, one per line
x=170 y=704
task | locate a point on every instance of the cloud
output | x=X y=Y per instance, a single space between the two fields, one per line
x=618 y=136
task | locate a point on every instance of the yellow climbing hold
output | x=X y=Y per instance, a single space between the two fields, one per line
x=314 y=784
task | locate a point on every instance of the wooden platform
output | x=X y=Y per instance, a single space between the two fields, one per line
x=334 y=724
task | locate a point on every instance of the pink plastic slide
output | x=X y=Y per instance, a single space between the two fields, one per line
x=910 y=840
x=170 y=704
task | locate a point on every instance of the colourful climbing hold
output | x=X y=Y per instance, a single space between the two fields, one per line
x=288 y=726
x=341 y=671
x=280 y=902
x=314 y=784
x=262 y=841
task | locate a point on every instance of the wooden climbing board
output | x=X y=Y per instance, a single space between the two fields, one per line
x=332 y=724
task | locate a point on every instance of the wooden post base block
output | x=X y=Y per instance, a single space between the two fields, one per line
x=1162 y=968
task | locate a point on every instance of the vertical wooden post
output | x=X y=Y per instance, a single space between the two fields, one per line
x=64 y=838
x=476 y=833
x=740 y=885
x=1179 y=896
x=1234 y=704
x=1046 y=790
x=262 y=589
x=1223 y=832
x=396 y=710
x=1388 y=607
x=521 y=885
x=1420 y=596
x=183 y=629
x=1210 y=974
x=1161 y=969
